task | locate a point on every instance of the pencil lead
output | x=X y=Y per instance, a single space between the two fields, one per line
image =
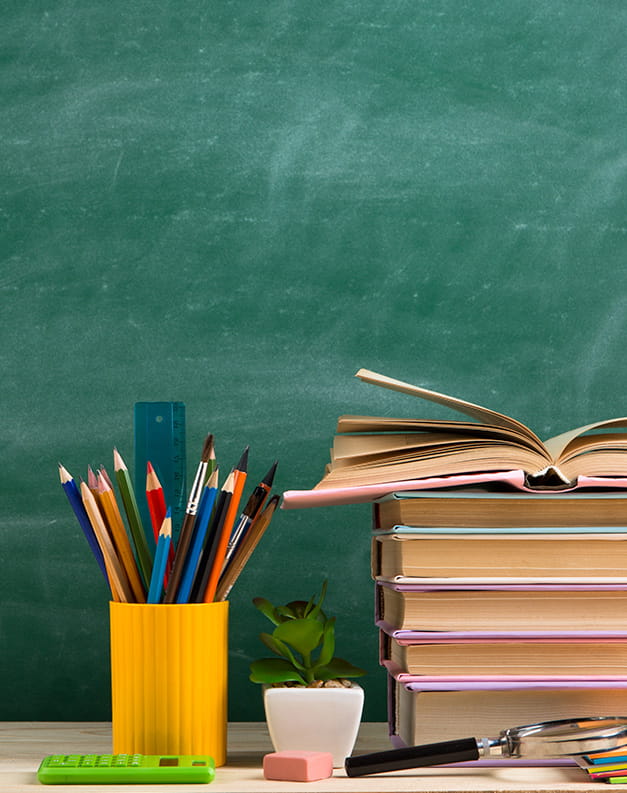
x=149 y=468
x=269 y=477
x=242 y=465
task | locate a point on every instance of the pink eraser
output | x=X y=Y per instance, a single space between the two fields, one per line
x=298 y=766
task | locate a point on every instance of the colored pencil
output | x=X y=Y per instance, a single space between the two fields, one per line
x=156 y=500
x=161 y=559
x=113 y=519
x=245 y=549
x=92 y=482
x=185 y=536
x=76 y=502
x=132 y=513
x=251 y=510
x=205 y=510
x=221 y=541
x=203 y=569
x=120 y=587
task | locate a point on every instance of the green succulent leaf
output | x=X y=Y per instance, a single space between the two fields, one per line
x=298 y=608
x=267 y=609
x=280 y=648
x=328 y=643
x=274 y=670
x=317 y=609
x=303 y=635
x=338 y=667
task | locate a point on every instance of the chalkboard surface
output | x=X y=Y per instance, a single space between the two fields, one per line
x=236 y=205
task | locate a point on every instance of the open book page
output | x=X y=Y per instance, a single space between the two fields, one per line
x=558 y=445
x=484 y=415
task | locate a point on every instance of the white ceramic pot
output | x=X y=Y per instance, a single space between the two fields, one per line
x=314 y=719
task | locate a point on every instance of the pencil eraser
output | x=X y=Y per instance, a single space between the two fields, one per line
x=298 y=766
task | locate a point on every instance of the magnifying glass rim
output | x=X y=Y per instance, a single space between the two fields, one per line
x=566 y=737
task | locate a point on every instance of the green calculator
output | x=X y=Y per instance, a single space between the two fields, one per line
x=124 y=769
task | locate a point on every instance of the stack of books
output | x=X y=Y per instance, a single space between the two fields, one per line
x=493 y=616
x=500 y=565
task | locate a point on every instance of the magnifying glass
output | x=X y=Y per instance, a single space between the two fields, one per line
x=546 y=740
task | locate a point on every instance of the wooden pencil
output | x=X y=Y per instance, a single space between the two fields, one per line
x=244 y=551
x=222 y=541
x=201 y=525
x=123 y=478
x=161 y=558
x=213 y=533
x=113 y=517
x=251 y=510
x=120 y=587
x=155 y=498
x=185 y=535
x=76 y=502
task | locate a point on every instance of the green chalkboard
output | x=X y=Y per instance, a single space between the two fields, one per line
x=236 y=205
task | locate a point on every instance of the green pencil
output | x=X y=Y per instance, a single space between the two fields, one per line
x=123 y=479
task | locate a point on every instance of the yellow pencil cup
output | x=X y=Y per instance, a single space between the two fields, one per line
x=169 y=678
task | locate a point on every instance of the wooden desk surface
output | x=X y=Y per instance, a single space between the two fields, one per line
x=24 y=744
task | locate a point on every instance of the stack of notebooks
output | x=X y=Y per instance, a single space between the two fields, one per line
x=500 y=565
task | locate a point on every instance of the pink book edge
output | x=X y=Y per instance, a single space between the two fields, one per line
x=300 y=499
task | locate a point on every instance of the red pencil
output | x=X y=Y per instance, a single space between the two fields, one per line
x=157 y=508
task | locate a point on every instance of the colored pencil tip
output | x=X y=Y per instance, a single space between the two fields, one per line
x=242 y=465
x=207 y=449
x=269 y=477
x=149 y=468
x=118 y=462
x=64 y=474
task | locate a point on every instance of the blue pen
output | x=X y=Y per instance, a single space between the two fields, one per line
x=161 y=559
x=205 y=508
x=76 y=502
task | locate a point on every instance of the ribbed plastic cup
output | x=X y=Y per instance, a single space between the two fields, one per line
x=169 y=670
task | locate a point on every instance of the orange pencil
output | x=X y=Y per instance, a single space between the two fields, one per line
x=239 y=479
x=120 y=587
x=113 y=518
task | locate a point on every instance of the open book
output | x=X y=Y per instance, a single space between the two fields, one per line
x=371 y=450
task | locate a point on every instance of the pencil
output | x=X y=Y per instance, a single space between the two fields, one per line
x=185 y=535
x=113 y=518
x=245 y=549
x=161 y=558
x=251 y=510
x=221 y=541
x=203 y=569
x=132 y=513
x=155 y=498
x=76 y=502
x=205 y=510
x=120 y=587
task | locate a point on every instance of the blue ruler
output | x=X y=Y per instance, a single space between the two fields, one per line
x=160 y=439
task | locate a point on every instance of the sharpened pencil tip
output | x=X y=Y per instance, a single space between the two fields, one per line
x=269 y=477
x=242 y=465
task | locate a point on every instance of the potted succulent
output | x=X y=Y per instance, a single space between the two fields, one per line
x=309 y=699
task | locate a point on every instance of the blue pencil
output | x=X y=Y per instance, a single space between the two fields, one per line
x=161 y=559
x=76 y=502
x=205 y=508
